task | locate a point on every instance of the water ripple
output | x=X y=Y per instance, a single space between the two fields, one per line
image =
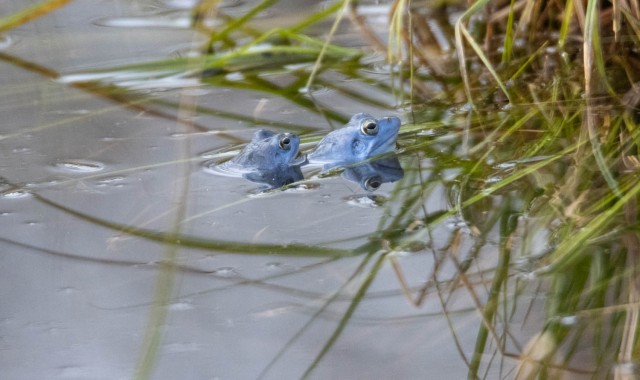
x=80 y=166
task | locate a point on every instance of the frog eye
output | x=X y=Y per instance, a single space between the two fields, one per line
x=369 y=127
x=372 y=183
x=285 y=143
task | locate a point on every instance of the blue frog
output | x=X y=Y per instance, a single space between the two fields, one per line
x=266 y=151
x=362 y=138
x=270 y=158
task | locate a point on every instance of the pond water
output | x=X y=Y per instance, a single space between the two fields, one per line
x=123 y=256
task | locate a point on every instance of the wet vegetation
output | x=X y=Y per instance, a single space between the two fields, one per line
x=523 y=114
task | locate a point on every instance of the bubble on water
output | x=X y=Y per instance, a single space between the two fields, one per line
x=513 y=163
x=429 y=132
x=108 y=180
x=274 y=311
x=278 y=266
x=234 y=77
x=626 y=370
x=181 y=347
x=273 y=266
x=402 y=253
x=487 y=192
x=527 y=276
x=181 y=306
x=5 y=41
x=226 y=272
x=66 y=290
x=111 y=139
x=54 y=331
x=568 y=320
x=315 y=89
x=80 y=372
x=505 y=165
x=5 y=213
x=80 y=166
x=461 y=109
x=457 y=224
x=15 y=193
x=366 y=200
x=493 y=179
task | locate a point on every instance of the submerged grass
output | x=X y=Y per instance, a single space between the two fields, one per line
x=533 y=139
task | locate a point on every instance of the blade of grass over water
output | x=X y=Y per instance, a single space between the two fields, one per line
x=566 y=21
x=30 y=13
x=570 y=251
x=194 y=242
x=593 y=54
x=114 y=94
x=317 y=17
x=258 y=58
x=508 y=40
x=164 y=286
x=507 y=228
x=590 y=121
x=526 y=64
x=476 y=7
x=357 y=298
x=325 y=47
x=326 y=303
x=478 y=50
x=237 y=23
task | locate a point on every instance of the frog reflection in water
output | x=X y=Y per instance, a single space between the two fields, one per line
x=270 y=158
x=362 y=138
x=371 y=175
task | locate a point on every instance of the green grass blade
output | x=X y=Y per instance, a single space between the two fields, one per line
x=315 y=315
x=570 y=250
x=478 y=50
x=359 y=296
x=497 y=283
x=324 y=50
x=239 y=22
x=459 y=27
x=30 y=13
x=194 y=242
x=508 y=38
x=566 y=22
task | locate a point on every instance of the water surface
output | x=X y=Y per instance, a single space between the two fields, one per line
x=115 y=233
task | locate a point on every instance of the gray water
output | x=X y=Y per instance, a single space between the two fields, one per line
x=79 y=169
